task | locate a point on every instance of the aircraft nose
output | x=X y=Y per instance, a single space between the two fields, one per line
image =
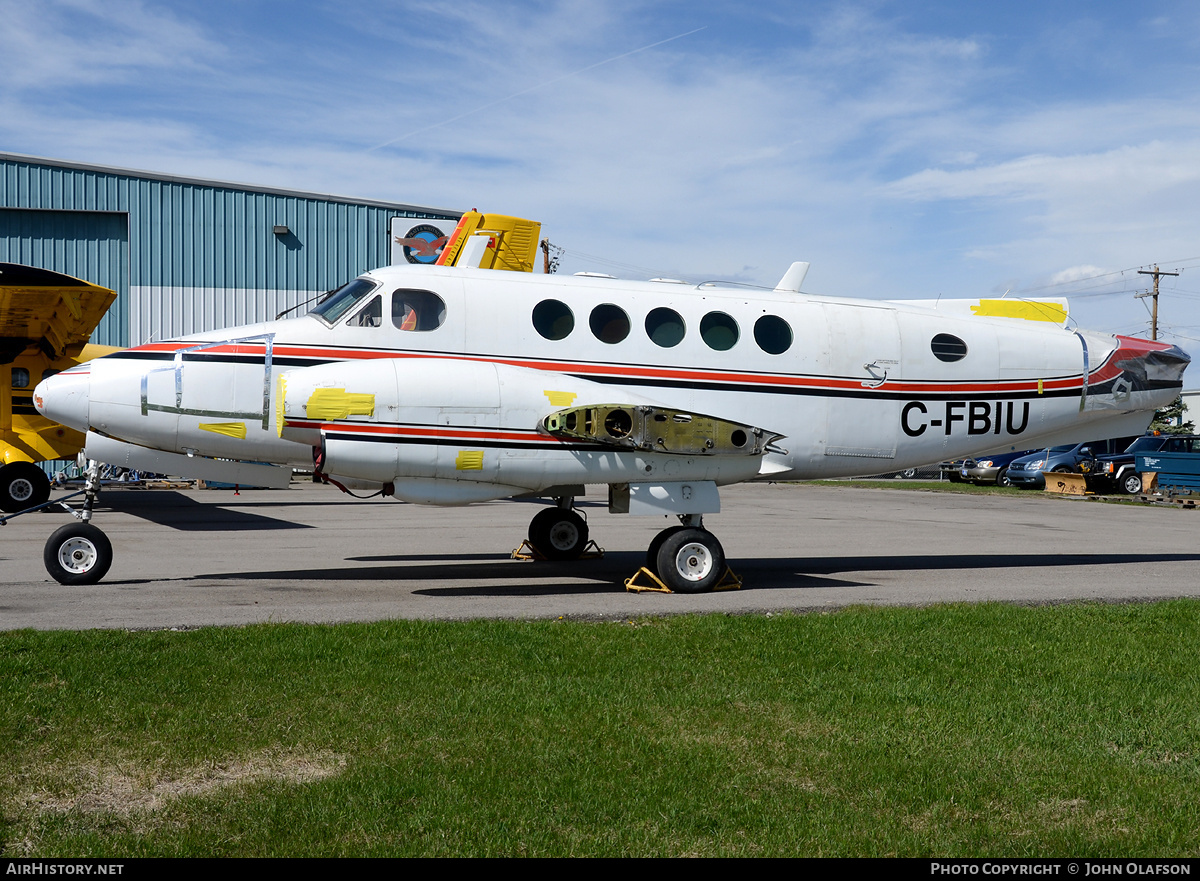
x=64 y=398
x=1151 y=364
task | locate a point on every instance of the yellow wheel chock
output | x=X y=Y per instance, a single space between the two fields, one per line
x=729 y=581
x=591 y=551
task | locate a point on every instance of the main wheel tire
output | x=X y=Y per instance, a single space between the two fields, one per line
x=558 y=534
x=22 y=485
x=1131 y=484
x=1002 y=479
x=78 y=553
x=656 y=544
x=691 y=561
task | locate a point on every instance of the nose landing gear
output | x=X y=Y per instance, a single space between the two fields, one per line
x=79 y=553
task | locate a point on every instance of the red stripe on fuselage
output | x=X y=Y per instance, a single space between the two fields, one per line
x=981 y=388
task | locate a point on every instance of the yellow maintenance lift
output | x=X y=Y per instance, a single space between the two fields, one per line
x=46 y=319
x=492 y=241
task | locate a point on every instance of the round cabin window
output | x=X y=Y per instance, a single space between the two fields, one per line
x=719 y=331
x=665 y=327
x=773 y=334
x=609 y=323
x=553 y=319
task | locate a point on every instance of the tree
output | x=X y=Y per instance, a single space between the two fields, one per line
x=1169 y=420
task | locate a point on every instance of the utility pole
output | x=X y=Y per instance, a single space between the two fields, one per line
x=1154 y=311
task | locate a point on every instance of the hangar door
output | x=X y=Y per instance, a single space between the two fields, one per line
x=92 y=245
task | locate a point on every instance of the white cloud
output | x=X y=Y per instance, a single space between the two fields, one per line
x=74 y=44
x=1072 y=274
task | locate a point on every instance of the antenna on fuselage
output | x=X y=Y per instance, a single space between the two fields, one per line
x=792 y=279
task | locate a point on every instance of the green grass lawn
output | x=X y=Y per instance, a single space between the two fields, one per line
x=954 y=730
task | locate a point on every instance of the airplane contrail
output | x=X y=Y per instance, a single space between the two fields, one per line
x=531 y=88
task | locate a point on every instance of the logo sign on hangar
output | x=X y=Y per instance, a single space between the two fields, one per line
x=416 y=240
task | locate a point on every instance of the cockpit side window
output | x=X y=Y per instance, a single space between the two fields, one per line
x=417 y=310
x=338 y=302
x=370 y=316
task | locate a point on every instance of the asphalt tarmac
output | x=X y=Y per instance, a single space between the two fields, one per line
x=209 y=557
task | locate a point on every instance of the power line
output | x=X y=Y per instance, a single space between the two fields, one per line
x=1098 y=277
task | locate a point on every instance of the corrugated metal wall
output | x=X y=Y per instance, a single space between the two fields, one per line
x=86 y=244
x=197 y=255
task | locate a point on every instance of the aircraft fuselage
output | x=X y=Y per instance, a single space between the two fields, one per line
x=852 y=386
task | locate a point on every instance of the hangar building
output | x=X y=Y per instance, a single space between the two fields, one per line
x=187 y=254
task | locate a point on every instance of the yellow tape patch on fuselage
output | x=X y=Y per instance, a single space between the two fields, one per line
x=337 y=403
x=559 y=399
x=469 y=460
x=231 y=429
x=1030 y=310
x=280 y=398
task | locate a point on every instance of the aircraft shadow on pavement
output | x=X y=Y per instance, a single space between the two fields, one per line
x=178 y=511
x=540 y=578
x=941 y=562
x=607 y=575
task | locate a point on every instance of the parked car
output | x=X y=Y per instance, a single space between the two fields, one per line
x=989 y=469
x=1028 y=472
x=952 y=471
x=921 y=472
x=1119 y=470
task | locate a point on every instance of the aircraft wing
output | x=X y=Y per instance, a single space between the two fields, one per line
x=51 y=311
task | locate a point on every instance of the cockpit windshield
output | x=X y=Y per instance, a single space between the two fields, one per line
x=337 y=303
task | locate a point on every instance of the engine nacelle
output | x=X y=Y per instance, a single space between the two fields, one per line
x=455 y=431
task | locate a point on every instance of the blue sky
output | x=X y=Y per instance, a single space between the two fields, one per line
x=905 y=149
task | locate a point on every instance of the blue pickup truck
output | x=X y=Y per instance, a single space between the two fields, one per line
x=1120 y=471
x=1177 y=463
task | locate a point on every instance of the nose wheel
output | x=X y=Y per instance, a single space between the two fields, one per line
x=78 y=553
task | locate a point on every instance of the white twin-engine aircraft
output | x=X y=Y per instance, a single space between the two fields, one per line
x=446 y=385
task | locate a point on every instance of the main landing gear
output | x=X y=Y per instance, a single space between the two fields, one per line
x=685 y=558
x=559 y=533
